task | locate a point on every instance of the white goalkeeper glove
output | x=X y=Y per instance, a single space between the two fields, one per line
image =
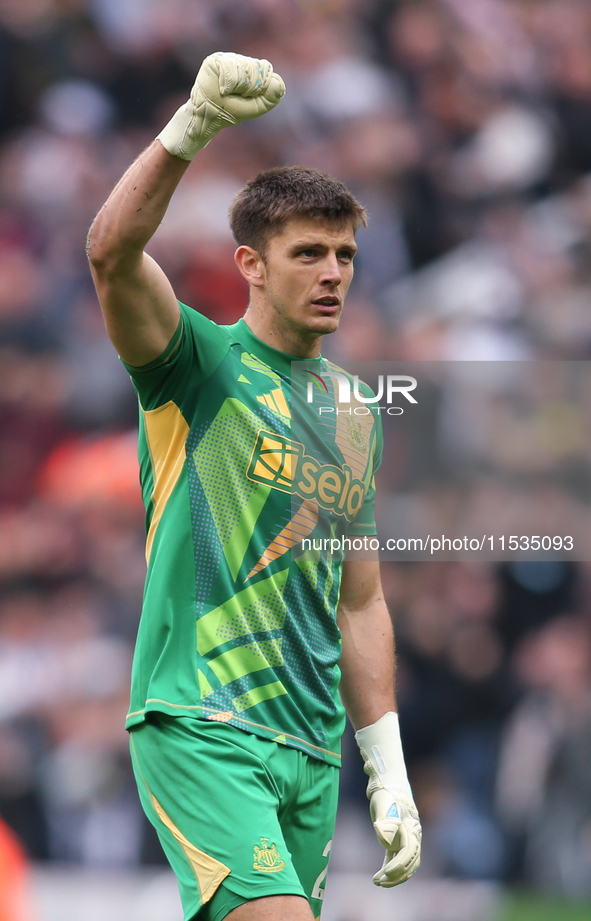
x=230 y=88
x=394 y=814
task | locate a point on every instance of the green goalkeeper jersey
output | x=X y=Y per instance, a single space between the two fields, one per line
x=239 y=622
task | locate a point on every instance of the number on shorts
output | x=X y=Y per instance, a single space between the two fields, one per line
x=318 y=890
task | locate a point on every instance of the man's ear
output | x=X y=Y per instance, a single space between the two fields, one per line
x=251 y=265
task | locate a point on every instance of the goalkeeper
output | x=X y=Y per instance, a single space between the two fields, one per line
x=247 y=649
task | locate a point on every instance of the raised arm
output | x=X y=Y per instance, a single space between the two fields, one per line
x=367 y=691
x=140 y=310
x=139 y=306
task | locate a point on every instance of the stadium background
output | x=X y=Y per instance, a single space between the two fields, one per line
x=465 y=128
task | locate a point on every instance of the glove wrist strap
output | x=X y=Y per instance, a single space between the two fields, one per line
x=381 y=746
x=191 y=128
x=176 y=135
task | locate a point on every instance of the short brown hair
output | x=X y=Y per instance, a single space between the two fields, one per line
x=274 y=196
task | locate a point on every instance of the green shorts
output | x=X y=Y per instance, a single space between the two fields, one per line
x=239 y=817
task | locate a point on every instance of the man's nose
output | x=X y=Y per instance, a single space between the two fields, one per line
x=331 y=271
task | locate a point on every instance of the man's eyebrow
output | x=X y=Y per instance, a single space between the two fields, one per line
x=317 y=244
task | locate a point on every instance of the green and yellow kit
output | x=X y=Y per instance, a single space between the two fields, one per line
x=239 y=624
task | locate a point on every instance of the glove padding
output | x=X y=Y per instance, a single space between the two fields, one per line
x=394 y=814
x=397 y=825
x=230 y=88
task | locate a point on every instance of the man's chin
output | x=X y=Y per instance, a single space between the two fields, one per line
x=324 y=326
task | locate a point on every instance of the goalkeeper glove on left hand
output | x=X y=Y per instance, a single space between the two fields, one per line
x=394 y=814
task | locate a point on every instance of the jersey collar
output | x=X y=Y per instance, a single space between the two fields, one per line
x=279 y=361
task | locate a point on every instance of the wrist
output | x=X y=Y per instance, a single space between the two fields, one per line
x=191 y=128
x=381 y=747
x=174 y=137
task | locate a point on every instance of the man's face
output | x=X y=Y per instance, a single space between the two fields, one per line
x=308 y=268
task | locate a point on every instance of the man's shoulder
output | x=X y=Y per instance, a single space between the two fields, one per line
x=202 y=324
x=204 y=327
x=211 y=340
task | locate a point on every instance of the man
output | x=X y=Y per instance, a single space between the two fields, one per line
x=235 y=717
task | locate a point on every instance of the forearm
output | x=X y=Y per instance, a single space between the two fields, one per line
x=367 y=690
x=132 y=213
x=367 y=662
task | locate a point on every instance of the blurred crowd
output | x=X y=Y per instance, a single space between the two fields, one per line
x=465 y=129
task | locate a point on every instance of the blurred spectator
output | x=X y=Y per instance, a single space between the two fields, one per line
x=544 y=790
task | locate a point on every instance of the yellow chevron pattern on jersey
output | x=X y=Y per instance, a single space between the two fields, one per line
x=301 y=525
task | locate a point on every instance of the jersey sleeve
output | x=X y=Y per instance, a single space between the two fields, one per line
x=195 y=351
x=364 y=522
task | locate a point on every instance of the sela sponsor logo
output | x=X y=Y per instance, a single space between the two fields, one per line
x=283 y=464
x=389 y=385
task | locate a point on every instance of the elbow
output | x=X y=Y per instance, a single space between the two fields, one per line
x=107 y=256
x=98 y=250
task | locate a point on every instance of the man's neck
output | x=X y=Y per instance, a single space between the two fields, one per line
x=281 y=338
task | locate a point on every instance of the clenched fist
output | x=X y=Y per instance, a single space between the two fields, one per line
x=230 y=88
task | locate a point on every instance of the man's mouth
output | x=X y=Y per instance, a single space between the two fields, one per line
x=329 y=301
